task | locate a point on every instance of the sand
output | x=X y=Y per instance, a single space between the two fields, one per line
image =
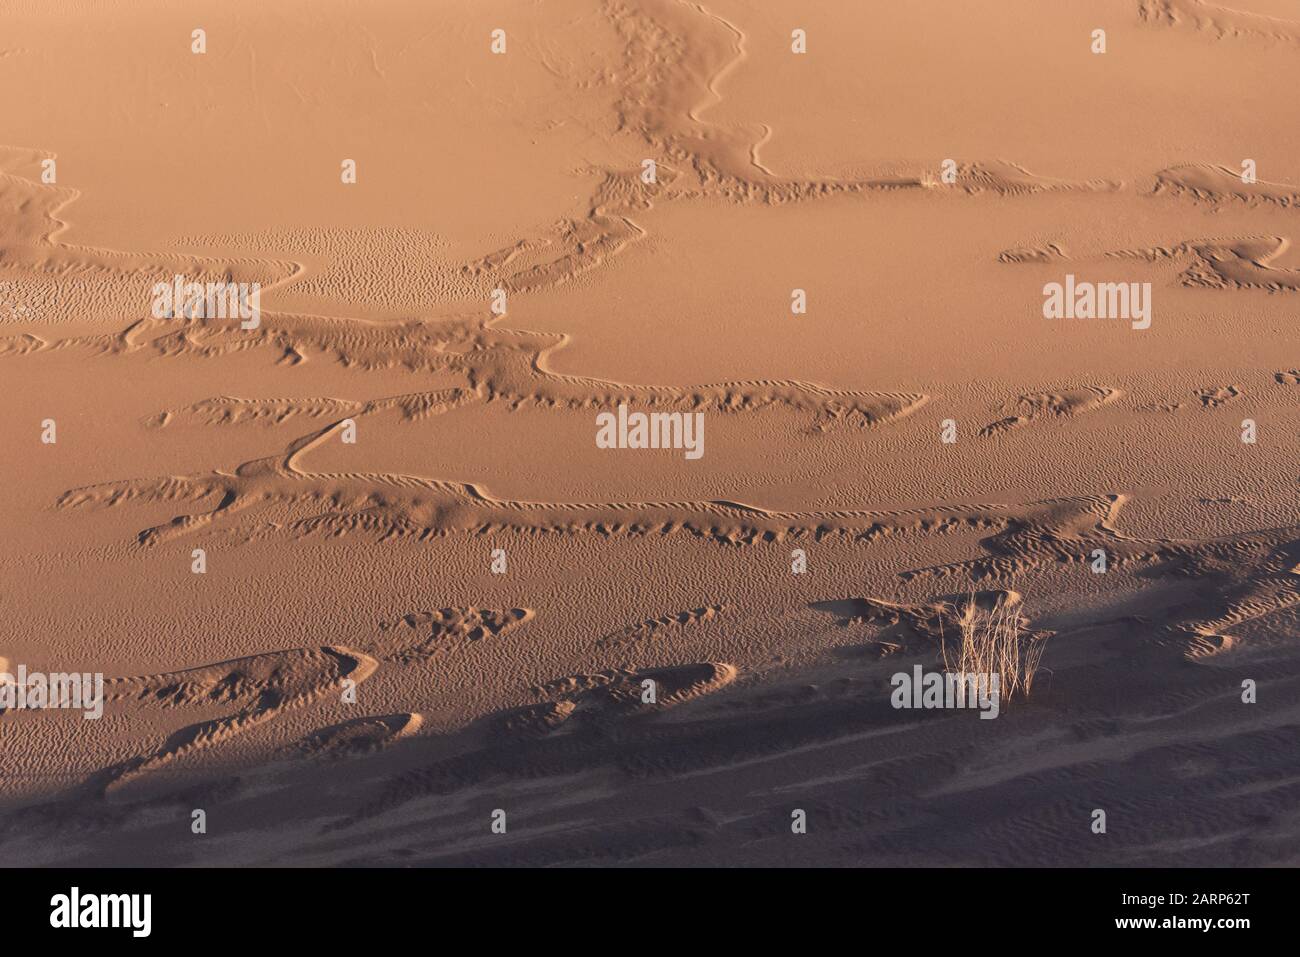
x=365 y=588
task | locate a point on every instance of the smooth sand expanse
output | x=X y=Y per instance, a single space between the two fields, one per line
x=366 y=589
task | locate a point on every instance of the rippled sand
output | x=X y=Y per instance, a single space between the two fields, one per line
x=428 y=594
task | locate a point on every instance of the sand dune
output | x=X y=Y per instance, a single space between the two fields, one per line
x=358 y=572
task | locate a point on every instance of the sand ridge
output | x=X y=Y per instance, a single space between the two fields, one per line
x=653 y=676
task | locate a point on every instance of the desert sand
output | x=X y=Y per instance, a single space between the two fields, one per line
x=365 y=588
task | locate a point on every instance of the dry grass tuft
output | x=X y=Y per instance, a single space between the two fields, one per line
x=994 y=642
